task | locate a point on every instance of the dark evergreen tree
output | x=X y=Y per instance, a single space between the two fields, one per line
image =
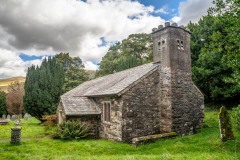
x=43 y=87
x=2 y=103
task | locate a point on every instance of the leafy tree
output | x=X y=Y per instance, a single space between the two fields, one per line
x=2 y=103
x=43 y=87
x=131 y=52
x=215 y=49
x=74 y=72
x=14 y=98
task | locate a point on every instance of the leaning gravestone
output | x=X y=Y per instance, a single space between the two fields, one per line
x=25 y=116
x=8 y=117
x=225 y=125
x=13 y=117
x=3 y=116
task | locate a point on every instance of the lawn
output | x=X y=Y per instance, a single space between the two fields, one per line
x=204 y=145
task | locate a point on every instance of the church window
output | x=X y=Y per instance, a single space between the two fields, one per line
x=182 y=45
x=107 y=111
x=159 y=44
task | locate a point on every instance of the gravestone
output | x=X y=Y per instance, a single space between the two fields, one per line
x=8 y=117
x=15 y=135
x=20 y=116
x=13 y=117
x=3 y=116
x=225 y=125
x=25 y=116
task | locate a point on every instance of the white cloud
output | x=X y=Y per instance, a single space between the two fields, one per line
x=49 y=27
x=11 y=65
x=163 y=10
x=90 y=65
x=191 y=10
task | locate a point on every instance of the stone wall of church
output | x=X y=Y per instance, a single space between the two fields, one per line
x=111 y=130
x=187 y=105
x=141 y=109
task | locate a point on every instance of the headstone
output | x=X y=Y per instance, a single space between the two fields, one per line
x=225 y=125
x=16 y=135
x=3 y=116
x=13 y=117
x=8 y=117
x=20 y=116
x=25 y=116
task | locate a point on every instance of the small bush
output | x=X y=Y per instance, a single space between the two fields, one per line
x=236 y=117
x=71 y=130
x=49 y=120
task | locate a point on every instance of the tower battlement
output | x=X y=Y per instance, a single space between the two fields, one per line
x=171 y=47
x=168 y=24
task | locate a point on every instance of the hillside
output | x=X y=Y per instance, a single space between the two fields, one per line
x=7 y=81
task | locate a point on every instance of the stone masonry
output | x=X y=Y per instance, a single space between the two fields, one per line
x=141 y=111
x=154 y=98
x=181 y=102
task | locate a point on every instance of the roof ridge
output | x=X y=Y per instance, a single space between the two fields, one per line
x=112 y=84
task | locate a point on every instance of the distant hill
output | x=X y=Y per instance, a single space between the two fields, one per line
x=7 y=81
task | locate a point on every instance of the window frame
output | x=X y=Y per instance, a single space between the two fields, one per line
x=106 y=112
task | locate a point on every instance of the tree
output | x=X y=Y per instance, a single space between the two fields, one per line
x=14 y=98
x=43 y=87
x=2 y=103
x=215 y=50
x=131 y=52
x=74 y=72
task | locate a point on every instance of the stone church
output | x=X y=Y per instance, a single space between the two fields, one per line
x=159 y=97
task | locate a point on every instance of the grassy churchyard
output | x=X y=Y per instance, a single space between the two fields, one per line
x=37 y=144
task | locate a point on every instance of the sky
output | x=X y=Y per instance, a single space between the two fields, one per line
x=32 y=30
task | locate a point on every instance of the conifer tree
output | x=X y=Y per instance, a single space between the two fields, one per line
x=2 y=103
x=43 y=87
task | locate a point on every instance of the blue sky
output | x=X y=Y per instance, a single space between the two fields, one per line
x=81 y=28
x=171 y=7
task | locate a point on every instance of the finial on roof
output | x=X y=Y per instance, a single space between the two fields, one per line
x=174 y=24
x=160 y=26
x=154 y=29
x=167 y=24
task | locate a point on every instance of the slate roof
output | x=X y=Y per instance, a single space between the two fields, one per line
x=113 y=84
x=79 y=106
x=78 y=100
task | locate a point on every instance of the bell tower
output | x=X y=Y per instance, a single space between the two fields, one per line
x=181 y=102
x=171 y=47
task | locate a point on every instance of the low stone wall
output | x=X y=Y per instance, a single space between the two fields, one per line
x=151 y=138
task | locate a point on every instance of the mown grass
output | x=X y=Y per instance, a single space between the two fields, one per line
x=204 y=145
x=30 y=129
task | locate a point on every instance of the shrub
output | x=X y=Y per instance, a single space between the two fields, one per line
x=236 y=116
x=49 y=120
x=71 y=130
